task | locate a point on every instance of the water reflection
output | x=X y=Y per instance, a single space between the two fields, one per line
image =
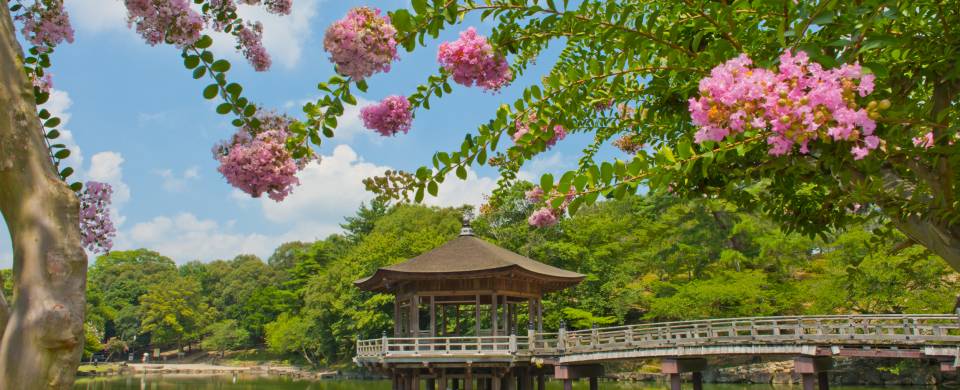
x=248 y=382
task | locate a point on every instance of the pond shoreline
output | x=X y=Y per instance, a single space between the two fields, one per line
x=772 y=373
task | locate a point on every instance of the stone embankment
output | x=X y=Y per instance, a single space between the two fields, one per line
x=845 y=372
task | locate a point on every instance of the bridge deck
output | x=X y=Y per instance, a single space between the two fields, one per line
x=918 y=334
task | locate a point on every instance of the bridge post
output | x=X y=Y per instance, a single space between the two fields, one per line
x=813 y=369
x=673 y=367
x=562 y=337
x=541 y=381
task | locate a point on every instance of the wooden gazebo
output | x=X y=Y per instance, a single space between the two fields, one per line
x=458 y=307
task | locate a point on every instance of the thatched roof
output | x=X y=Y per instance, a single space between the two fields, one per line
x=463 y=257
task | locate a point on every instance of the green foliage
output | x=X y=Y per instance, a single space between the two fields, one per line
x=650 y=56
x=172 y=311
x=224 y=335
x=646 y=258
x=91 y=341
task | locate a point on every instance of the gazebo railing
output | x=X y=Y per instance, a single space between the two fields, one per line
x=485 y=345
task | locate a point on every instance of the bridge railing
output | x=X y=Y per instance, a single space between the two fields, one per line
x=485 y=345
x=862 y=329
x=928 y=329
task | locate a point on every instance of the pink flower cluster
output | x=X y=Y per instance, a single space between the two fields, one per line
x=798 y=103
x=546 y=216
x=44 y=83
x=471 y=60
x=279 y=7
x=46 y=24
x=261 y=163
x=362 y=43
x=924 y=141
x=535 y=195
x=389 y=117
x=161 y=21
x=249 y=41
x=96 y=228
x=543 y=217
x=523 y=127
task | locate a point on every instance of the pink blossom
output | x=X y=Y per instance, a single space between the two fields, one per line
x=96 y=228
x=796 y=104
x=535 y=195
x=280 y=7
x=389 y=117
x=43 y=83
x=171 y=21
x=249 y=41
x=924 y=141
x=542 y=218
x=362 y=43
x=557 y=132
x=260 y=163
x=471 y=60
x=46 y=24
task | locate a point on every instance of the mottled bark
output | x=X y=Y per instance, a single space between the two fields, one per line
x=43 y=339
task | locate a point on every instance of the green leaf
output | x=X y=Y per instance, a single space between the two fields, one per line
x=199 y=72
x=546 y=182
x=66 y=172
x=234 y=89
x=419 y=6
x=76 y=186
x=432 y=188
x=224 y=108
x=349 y=99
x=204 y=42
x=191 y=61
x=220 y=66
x=52 y=122
x=419 y=196
x=44 y=114
x=462 y=172
x=210 y=91
x=401 y=20
x=53 y=134
x=62 y=154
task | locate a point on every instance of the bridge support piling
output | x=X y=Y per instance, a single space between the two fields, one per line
x=568 y=384
x=594 y=383
x=697 y=380
x=673 y=367
x=813 y=371
x=675 y=381
x=541 y=382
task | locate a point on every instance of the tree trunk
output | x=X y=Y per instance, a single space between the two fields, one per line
x=940 y=239
x=43 y=338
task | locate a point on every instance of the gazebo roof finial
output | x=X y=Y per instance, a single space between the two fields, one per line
x=466 y=230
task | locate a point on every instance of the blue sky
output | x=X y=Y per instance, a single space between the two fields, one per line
x=138 y=121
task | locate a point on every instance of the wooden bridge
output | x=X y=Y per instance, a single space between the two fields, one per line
x=683 y=346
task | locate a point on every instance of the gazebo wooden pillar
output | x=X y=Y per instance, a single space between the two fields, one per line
x=468 y=289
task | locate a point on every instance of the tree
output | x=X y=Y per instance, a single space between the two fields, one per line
x=224 y=335
x=295 y=334
x=172 y=312
x=649 y=73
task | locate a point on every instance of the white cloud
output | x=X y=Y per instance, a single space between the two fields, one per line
x=186 y=237
x=107 y=167
x=333 y=189
x=284 y=36
x=329 y=189
x=173 y=182
x=455 y=192
x=543 y=164
x=97 y=15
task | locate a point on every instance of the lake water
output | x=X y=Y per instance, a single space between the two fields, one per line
x=229 y=382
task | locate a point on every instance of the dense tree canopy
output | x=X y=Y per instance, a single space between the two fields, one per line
x=647 y=258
